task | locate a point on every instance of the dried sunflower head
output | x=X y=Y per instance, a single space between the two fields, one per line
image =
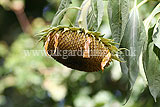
x=79 y=49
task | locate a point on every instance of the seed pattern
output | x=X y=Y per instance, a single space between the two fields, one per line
x=90 y=54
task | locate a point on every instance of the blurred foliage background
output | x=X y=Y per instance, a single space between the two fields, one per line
x=29 y=78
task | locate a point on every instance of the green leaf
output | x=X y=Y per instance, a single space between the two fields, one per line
x=92 y=19
x=148 y=39
x=151 y=64
x=64 y=4
x=156 y=35
x=157 y=51
x=92 y=16
x=82 y=19
x=118 y=18
x=100 y=8
x=150 y=33
x=133 y=40
x=152 y=69
x=151 y=16
x=58 y=18
x=95 y=16
x=61 y=11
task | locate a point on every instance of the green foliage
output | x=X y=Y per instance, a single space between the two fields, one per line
x=152 y=64
x=118 y=18
x=133 y=40
x=151 y=54
x=148 y=20
x=156 y=34
x=61 y=11
x=64 y=4
x=82 y=21
x=96 y=14
x=90 y=17
x=29 y=77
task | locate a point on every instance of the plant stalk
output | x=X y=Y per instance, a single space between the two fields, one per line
x=141 y=3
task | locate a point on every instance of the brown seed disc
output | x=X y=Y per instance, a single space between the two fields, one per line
x=68 y=47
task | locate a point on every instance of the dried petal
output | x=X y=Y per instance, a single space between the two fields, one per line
x=46 y=45
x=105 y=60
x=56 y=42
x=86 y=48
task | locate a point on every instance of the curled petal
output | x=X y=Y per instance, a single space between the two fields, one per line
x=86 y=48
x=46 y=45
x=56 y=42
x=105 y=60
